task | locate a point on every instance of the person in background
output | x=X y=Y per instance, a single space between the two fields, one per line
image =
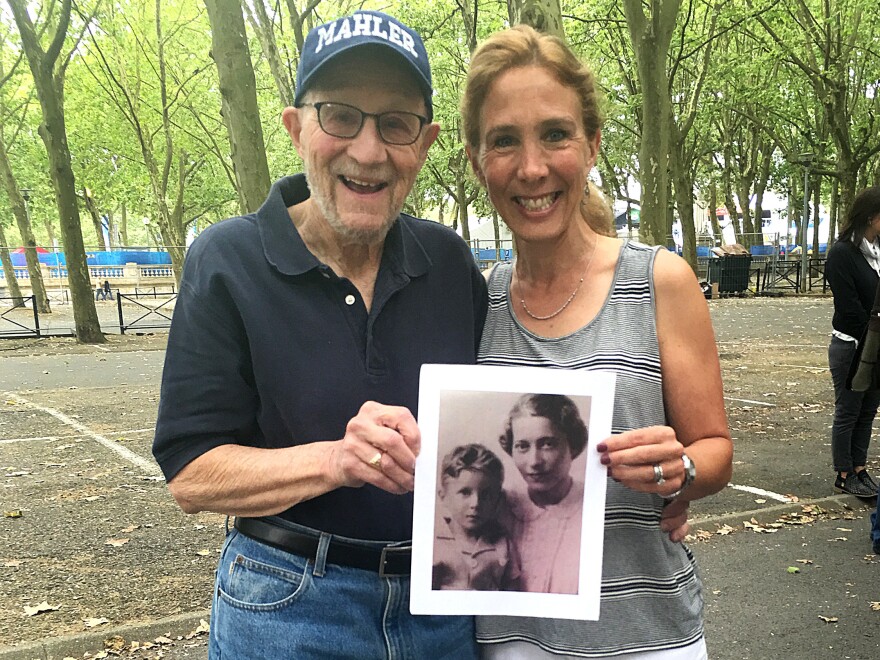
x=108 y=292
x=292 y=369
x=576 y=299
x=852 y=268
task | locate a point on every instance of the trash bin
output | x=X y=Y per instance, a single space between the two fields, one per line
x=731 y=272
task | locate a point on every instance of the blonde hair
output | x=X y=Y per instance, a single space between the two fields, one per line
x=524 y=46
x=597 y=213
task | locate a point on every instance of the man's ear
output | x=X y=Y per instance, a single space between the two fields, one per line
x=292 y=120
x=475 y=165
x=431 y=131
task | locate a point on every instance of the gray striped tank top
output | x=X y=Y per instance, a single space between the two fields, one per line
x=651 y=594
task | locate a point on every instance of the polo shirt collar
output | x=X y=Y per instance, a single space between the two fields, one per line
x=286 y=251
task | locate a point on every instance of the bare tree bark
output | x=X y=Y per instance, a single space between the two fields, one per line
x=22 y=219
x=241 y=112
x=8 y=272
x=543 y=15
x=49 y=82
x=262 y=25
x=651 y=35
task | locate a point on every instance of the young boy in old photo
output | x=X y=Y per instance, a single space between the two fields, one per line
x=471 y=547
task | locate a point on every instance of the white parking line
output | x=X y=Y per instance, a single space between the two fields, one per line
x=757 y=403
x=124 y=452
x=760 y=491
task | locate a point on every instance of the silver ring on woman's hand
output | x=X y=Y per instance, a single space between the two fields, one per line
x=376 y=461
x=658 y=474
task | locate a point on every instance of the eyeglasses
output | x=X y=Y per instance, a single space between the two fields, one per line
x=346 y=121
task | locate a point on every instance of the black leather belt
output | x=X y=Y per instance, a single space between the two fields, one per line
x=388 y=561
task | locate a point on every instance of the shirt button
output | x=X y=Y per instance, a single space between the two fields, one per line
x=349 y=299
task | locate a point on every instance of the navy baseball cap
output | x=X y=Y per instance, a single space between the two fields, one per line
x=363 y=28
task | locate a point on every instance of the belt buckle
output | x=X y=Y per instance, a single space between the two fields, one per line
x=383 y=560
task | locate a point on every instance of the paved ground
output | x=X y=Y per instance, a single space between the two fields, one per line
x=99 y=538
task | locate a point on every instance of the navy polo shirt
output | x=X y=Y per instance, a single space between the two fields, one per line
x=269 y=348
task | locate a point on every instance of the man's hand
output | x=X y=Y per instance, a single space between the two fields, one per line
x=379 y=448
x=675 y=520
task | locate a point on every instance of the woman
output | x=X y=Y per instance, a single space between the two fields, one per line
x=852 y=268
x=579 y=300
x=544 y=434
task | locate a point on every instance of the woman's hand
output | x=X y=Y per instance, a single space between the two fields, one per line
x=647 y=460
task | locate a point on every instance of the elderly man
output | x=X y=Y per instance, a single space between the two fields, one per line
x=293 y=361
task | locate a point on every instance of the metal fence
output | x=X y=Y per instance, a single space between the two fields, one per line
x=15 y=322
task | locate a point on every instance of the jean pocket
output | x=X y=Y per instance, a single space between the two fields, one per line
x=256 y=585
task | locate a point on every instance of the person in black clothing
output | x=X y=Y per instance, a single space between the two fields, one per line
x=853 y=271
x=108 y=292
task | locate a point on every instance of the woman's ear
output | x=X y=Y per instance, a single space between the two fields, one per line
x=475 y=165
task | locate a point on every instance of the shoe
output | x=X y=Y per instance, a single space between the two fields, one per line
x=866 y=479
x=854 y=486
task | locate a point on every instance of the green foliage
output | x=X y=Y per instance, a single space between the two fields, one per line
x=775 y=73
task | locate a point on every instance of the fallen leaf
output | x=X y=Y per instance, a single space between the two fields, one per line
x=793 y=569
x=724 y=530
x=95 y=621
x=838 y=538
x=20 y=473
x=163 y=640
x=115 y=643
x=130 y=529
x=15 y=513
x=843 y=529
x=829 y=619
x=760 y=501
x=804 y=561
x=792 y=498
x=875 y=606
x=203 y=553
x=39 y=609
x=12 y=563
x=116 y=542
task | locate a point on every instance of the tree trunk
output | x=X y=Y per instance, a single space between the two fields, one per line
x=50 y=232
x=123 y=225
x=684 y=202
x=543 y=15
x=241 y=113
x=817 y=196
x=263 y=27
x=713 y=210
x=8 y=271
x=92 y=208
x=463 y=210
x=50 y=91
x=834 y=213
x=650 y=36
x=730 y=205
x=22 y=219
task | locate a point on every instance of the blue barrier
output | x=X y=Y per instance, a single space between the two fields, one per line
x=114 y=258
x=491 y=254
x=762 y=250
x=703 y=251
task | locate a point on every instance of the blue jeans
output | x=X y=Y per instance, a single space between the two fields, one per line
x=854 y=412
x=273 y=605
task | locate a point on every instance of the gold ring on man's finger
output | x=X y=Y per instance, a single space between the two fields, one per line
x=376 y=461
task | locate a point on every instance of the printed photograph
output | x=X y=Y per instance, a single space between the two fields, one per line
x=511 y=490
